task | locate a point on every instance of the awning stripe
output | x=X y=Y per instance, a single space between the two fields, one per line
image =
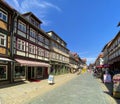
x=32 y=63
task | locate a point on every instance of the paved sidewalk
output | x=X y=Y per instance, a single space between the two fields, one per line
x=18 y=94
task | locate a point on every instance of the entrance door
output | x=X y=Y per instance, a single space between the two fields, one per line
x=31 y=73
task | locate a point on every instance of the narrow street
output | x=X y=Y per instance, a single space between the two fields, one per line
x=84 y=89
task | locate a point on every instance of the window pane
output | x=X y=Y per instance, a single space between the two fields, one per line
x=39 y=72
x=19 y=26
x=3 y=72
x=22 y=26
x=19 y=72
x=4 y=17
x=21 y=45
x=2 y=42
x=0 y=15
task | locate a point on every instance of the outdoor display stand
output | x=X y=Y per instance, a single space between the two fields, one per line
x=116 y=86
x=51 y=79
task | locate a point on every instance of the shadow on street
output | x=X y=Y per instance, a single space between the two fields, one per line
x=110 y=92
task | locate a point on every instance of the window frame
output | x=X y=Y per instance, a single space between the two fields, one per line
x=32 y=49
x=5 y=72
x=33 y=33
x=22 y=26
x=47 y=54
x=41 y=52
x=3 y=14
x=4 y=38
x=41 y=38
x=21 y=45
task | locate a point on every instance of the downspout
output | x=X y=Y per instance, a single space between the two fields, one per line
x=12 y=45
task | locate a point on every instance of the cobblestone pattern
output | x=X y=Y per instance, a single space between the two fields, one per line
x=84 y=89
x=24 y=92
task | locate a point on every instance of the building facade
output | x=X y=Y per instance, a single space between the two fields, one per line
x=75 y=62
x=27 y=52
x=6 y=17
x=59 y=54
x=105 y=55
x=114 y=52
x=111 y=55
x=31 y=48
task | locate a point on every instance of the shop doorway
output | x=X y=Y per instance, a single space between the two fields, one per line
x=46 y=73
x=31 y=73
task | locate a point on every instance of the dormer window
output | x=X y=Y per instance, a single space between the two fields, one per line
x=32 y=21
x=35 y=23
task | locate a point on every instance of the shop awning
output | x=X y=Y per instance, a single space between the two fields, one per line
x=5 y=59
x=99 y=66
x=31 y=63
x=106 y=65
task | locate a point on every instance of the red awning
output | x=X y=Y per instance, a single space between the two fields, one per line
x=103 y=66
x=100 y=66
x=106 y=65
x=32 y=63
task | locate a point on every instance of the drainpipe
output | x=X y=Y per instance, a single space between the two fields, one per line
x=12 y=45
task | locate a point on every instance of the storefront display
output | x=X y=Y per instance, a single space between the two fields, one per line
x=19 y=72
x=3 y=72
x=39 y=72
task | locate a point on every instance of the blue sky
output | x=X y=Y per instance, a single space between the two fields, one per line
x=85 y=25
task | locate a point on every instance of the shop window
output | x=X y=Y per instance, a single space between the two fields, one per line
x=19 y=72
x=3 y=72
x=39 y=72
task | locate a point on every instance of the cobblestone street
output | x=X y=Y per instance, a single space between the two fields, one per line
x=21 y=92
x=68 y=89
x=84 y=89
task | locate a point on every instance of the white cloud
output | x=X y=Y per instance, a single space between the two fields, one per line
x=16 y=3
x=82 y=53
x=40 y=8
x=90 y=60
x=51 y=5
